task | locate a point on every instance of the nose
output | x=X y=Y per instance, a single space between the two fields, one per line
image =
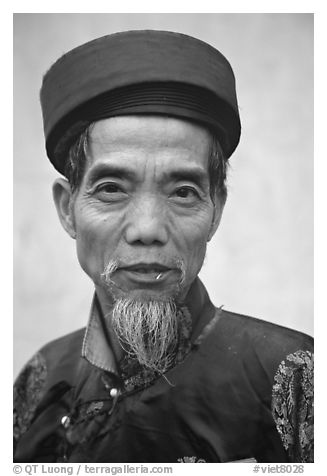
x=147 y=224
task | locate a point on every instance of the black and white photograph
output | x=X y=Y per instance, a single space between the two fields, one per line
x=163 y=238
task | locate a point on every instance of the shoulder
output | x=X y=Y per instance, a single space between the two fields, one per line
x=57 y=351
x=279 y=362
x=269 y=341
x=53 y=363
x=268 y=351
x=56 y=357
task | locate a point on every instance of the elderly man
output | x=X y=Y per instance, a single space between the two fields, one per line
x=142 y=124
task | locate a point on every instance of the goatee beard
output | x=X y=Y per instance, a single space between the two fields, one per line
x=147 y=330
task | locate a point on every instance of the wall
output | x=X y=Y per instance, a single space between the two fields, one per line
x=261 y=260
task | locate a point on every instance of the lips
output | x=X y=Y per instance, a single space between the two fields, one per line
x=147 y=268
x=147 y=273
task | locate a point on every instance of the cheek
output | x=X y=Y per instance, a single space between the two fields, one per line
x=96 y=239
x=191 y=236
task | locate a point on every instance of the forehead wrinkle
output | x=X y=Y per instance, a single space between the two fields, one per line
x=105 y=167
x=128 y=157
x=173 y=146
x=166 y=131
x=184 y=172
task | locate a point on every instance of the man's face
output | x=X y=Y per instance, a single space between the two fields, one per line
x=144 y=204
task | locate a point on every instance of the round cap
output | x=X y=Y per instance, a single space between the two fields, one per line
x=138 y=72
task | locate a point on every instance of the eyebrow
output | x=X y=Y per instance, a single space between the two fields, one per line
x=103 y=170
x=193 y=173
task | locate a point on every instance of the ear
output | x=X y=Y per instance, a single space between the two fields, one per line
x=219 y=204
x=62 y=196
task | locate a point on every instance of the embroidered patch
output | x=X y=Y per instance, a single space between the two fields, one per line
x=27 y=393
x=94 y=408
x=190 y=459
x=292 y=405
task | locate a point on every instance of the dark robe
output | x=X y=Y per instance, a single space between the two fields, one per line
x=239 y=388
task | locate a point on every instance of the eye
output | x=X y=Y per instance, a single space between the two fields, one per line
x=109 y=191
x=109 y=187
x=186 y=193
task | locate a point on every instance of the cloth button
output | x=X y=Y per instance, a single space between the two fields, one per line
x=65 y=421
x=113 y=392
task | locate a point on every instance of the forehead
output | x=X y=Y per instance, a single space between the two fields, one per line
x=136 y=137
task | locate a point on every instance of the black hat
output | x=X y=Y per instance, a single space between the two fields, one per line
x=138 y=72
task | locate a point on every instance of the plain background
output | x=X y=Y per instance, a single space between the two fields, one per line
x=260 y=262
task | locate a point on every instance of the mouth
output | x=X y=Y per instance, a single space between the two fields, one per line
x=147 y=272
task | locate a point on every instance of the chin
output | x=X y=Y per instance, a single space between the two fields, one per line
x=145 y=295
